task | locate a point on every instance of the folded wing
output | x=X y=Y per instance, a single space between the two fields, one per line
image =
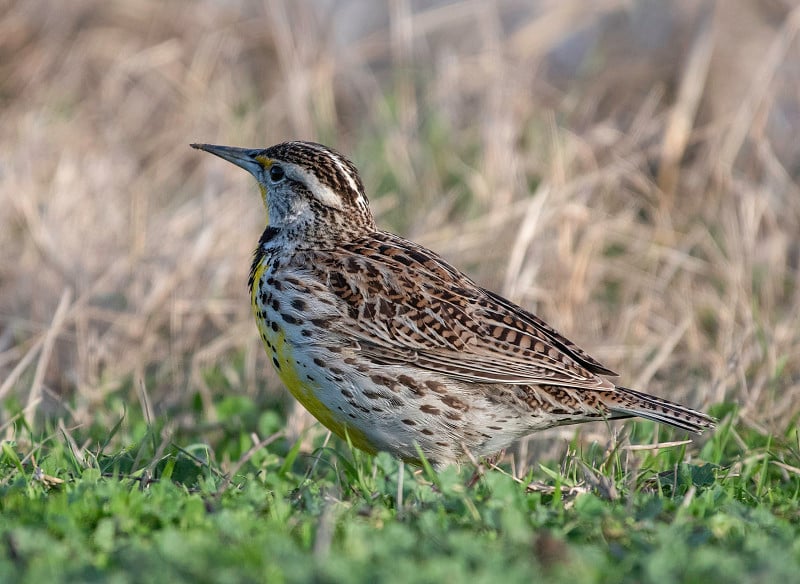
x=407 y=305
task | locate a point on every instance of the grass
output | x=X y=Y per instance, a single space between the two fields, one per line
x=629 y=171
x=156 y=510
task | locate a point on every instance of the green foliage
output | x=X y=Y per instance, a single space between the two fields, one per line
x=159 y=511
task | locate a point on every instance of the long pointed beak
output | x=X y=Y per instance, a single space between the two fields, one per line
x=242 y=157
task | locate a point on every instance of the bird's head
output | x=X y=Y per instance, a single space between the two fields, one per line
x=309 y=190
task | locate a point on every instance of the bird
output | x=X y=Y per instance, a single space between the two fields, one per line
x=391 y=347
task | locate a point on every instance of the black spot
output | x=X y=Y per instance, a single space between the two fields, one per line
x=290 y=319
x=380 y=379
x=408 y=422
x=406 y=380
x=454 y=403
x=298 y=304
x=276 y=305
x=305 y=332
x=274 y=326
x=386 y=308
x=436 y=387
x=372 y=271
x=275 y=362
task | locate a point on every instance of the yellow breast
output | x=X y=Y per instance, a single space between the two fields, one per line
x=305 y=391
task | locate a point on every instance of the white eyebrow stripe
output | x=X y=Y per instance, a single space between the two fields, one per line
x=346 y=172
x=361 y=200
x=323 y=193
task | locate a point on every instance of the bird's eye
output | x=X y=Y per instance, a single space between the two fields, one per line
x=276 y=173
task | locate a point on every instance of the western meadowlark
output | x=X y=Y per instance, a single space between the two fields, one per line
x=385 y=342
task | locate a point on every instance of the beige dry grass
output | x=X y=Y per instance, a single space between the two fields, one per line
x=629 y=171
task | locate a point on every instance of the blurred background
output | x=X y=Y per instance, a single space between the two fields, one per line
x=627 y=169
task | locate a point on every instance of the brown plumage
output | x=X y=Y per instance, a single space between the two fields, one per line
x=388 y=344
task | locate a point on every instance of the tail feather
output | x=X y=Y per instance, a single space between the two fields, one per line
x=625 y=402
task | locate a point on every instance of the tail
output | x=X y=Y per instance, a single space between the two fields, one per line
x=624 y=403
